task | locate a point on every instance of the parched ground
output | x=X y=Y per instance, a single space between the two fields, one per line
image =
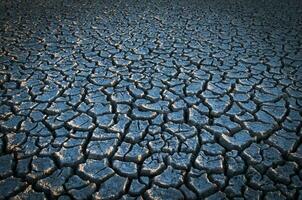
x=151 y=99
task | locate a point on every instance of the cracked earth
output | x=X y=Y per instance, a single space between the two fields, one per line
x=151 y=99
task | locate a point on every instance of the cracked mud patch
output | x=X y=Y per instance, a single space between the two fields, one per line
x=151 y=99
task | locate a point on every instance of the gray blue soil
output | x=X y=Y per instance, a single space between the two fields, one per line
x=145 y=100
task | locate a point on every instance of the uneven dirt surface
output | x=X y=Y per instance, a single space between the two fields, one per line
x=144 y=100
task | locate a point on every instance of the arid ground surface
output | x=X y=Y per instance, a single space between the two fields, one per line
x=151 y=99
